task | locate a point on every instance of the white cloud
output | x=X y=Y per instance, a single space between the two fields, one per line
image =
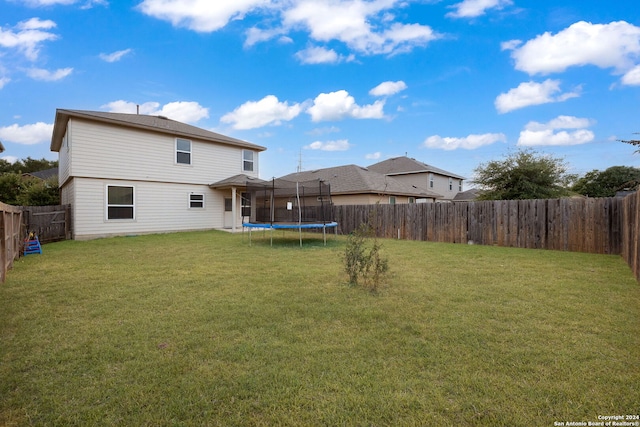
x=339 y=105
x=325 y=130
x=632 y=77
x=318 y=55
x=613 y=45
x=470 y=142
x=388 y=88
x=27 y=134
x=49 y=76
x=200 y=15
x=366 y=27
x=4 y=81
x=28 y=38
x=40 y=3
x=373 y=156
x=115 y=56
x=267 y=111
x=338 y=145
x=10 y=159
x=474 y=8
x=182 y=111
x=544 y=134
x=532 y=93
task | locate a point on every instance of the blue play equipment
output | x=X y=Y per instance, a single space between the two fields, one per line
x=32 y=245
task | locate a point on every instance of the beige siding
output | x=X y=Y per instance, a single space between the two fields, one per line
x=367 y=199
x=158 y=208
x=112 y=152
x=64 y=160
x=440 y=183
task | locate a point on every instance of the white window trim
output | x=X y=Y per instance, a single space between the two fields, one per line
x=176 y=151
x=204 y=205
x=107 y=205
x=253 y=161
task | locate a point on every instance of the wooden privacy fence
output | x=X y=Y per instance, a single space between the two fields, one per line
x=50 y=223
x=580 y=225
x=631 y=232
x=11 y=230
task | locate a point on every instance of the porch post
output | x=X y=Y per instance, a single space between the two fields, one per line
x=233 y=209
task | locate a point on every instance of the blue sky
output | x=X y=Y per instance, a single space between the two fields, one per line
x=325 y=83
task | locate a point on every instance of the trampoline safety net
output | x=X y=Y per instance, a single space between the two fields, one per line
x=282 y=201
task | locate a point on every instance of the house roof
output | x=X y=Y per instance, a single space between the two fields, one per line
x=405 y=165
x=141 y=121
x=352 y=179
x=467 y=196
x=239 y=180
x=44 y=174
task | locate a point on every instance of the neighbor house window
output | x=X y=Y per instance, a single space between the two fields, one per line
x=196 y=200
x=392 y=200
x=120 y=202
x=247 y=160
x=412 y=199
x=450 y=184
x=430 y=180
x=183 y=151
x=460 y=185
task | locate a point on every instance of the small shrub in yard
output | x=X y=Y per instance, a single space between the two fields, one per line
x=364 y=261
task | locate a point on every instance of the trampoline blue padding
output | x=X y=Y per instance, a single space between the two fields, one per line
x=288 y=225
x=293 y=226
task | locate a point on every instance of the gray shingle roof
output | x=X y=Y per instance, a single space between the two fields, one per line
x=405 y=165
x=141 y=121
x=239 y=180
x=352 y=179
x=44 y=174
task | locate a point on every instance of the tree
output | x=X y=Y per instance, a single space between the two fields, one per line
x=632 y=142
x=27 y=165
x=40 y=193
x=11 y=186
x=523 y=175
x=606 y=183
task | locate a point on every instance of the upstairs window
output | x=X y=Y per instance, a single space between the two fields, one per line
x=460 y=185
x=120 y=202
x=183 y=151
x=196 y=200
x=430 y=180
x=450 y=184
x=247 y=160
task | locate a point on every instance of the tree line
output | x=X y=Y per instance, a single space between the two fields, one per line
x=20 y=189
x=527 y=174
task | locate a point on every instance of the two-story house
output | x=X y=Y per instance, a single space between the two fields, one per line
x=355 y=185
x=413 y=172
x=128 y=174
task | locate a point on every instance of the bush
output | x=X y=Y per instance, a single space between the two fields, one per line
x=364 y=261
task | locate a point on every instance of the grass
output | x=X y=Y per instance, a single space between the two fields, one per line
x=203 y=329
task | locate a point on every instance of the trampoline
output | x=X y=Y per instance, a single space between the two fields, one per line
x=292 y=226
x=290 y=205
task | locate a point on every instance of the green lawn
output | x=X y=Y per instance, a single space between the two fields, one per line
x=203 y=329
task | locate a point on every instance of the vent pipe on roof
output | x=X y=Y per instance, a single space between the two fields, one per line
x=137 y=108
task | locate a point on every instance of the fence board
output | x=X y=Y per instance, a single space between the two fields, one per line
x=11 y=237
x=581 y=225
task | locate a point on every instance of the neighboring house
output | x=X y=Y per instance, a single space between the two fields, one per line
x=469 y=195
x=413 y=172
x=355 y=185
x=43 y=175
x=127 y=174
